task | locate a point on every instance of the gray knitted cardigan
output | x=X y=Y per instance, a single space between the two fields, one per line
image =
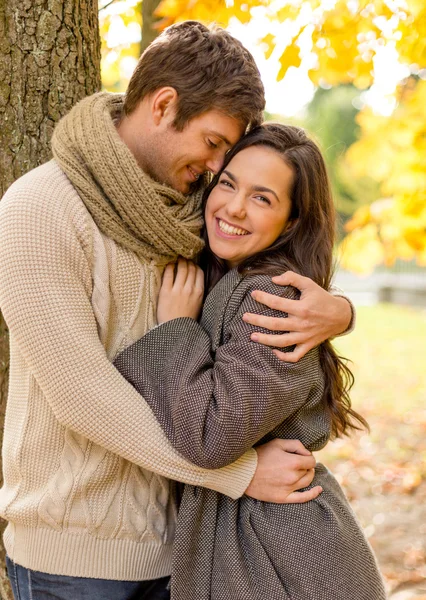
x=216 y=394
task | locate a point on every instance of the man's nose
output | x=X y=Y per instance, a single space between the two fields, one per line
x=215 y=162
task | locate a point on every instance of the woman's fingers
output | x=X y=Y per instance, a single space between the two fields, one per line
x=168 y=277
x=181 y=273
x=199 y=281
x=190 y=277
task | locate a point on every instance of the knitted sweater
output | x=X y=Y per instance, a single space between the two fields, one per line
x=85 y=461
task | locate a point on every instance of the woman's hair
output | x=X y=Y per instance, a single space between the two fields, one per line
x=306 y=247
x=208 y=68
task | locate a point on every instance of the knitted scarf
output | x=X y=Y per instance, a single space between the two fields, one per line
x=149 y=218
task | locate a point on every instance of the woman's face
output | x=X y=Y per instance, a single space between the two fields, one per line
x=250 y=206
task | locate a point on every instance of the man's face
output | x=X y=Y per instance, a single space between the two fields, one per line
x=179 y=158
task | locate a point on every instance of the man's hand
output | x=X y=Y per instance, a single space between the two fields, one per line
x=283 y=467
x=316 y=317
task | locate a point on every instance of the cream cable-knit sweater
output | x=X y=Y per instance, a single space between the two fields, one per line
x=85 y=462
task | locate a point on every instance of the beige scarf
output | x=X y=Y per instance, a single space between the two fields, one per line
x=151 y=219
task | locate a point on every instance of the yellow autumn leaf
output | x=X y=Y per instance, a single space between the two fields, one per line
x=361 y=251
x=289 y=58
x=360 y=218
x=269 y=41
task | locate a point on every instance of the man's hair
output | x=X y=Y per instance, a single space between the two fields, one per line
x=209 y=69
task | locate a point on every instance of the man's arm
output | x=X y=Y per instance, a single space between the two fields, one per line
x=45 y=290
x=45 y=296
x=317 y=316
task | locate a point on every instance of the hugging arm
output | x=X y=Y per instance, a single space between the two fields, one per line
x=214 y=408
x=316 y=317
x=45 y=296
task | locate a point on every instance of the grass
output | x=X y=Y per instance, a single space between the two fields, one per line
x=388 y=350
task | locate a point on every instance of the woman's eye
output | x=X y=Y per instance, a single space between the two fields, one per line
x=226 y=183
x=211 y=144
x=264 y=199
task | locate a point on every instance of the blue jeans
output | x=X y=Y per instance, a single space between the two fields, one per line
x=32 y=585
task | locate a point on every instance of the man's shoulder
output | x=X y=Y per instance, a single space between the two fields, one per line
x=45 y=203
x=43 y=190
x=44 y=183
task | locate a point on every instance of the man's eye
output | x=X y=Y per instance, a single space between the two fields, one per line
x=211 y=144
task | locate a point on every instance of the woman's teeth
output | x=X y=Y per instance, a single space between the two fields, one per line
x=229 y=229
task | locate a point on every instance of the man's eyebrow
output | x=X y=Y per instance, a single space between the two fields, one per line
x=220 y=136
x=256 y=188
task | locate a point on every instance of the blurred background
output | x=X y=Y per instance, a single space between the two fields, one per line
x=353 y=73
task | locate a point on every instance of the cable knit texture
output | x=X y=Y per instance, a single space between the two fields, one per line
x=85 y=461
x=151 y=219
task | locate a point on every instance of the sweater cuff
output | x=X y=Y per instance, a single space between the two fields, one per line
x=234 y=479
x=339 y=293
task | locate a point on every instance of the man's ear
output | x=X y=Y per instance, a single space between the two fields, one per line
x=163 y=105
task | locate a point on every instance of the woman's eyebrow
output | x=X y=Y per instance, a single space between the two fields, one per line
x=261 y=188
x=230 y=175
x=256 y=188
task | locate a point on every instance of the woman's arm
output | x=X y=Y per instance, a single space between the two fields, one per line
x=213 y=408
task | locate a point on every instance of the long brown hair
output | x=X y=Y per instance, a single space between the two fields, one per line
x=306 y=248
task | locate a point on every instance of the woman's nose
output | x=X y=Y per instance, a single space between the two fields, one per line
x=237 y=206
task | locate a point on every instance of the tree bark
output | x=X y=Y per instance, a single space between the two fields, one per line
x=148 y=21
x=49 y=59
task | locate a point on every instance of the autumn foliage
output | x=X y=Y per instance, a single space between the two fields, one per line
x=342 y=41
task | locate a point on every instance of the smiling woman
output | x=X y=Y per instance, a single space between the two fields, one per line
x=250 y=206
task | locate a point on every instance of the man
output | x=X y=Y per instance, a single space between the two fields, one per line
x=84 y=239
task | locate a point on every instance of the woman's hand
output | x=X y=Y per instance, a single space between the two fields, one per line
x=181 y=294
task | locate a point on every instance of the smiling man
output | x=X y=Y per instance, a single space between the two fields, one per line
x=84 y=240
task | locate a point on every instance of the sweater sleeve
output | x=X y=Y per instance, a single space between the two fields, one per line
x=45 y=290
x=214 y=407
x=336 y=291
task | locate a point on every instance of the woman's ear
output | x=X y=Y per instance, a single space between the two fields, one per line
x=290 y=224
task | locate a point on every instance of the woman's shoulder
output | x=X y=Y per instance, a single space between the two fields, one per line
x=263 y=282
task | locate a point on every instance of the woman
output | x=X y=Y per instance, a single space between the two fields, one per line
x=216 y=393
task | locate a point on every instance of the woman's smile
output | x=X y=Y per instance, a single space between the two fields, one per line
x=228 y=230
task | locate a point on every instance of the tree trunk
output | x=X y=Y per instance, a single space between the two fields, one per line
x=148 y=21
x=49 y=59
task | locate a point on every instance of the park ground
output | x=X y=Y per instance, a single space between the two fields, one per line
x=384 y=472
